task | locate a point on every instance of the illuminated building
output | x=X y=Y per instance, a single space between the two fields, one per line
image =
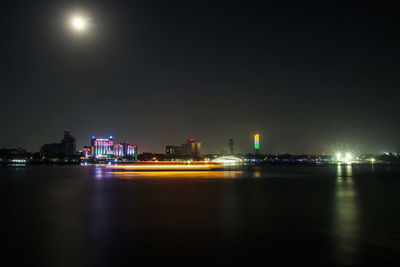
x=191 y=148
x=257 y=142
x=87 y=152
x=173 y=150
x=118 y=150
x=105 y=147
x=130 y=150
x=102 y=147
x=125 y=150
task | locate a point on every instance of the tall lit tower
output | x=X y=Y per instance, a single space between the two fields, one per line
x=257 y=143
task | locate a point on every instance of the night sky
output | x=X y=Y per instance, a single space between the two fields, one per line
x=307 y=76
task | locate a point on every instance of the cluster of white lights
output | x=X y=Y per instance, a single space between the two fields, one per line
x=228 y=160
x=18 y=160
x=347 y=158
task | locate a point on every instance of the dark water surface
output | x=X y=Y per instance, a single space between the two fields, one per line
x=89 y=216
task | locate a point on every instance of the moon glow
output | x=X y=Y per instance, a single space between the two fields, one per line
x=78 y=23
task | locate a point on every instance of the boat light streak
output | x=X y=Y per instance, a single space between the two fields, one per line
x=163 y=167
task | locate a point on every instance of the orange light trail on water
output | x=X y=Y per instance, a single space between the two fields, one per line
x=177 y=174
x=167 y=167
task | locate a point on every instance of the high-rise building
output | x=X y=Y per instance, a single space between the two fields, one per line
x=191 y=148
x=68 y=144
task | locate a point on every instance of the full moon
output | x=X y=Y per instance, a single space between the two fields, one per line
x=78 y=23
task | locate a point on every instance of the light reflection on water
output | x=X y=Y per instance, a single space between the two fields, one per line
x=100 y=172
x=346 y=215
x=175 y=174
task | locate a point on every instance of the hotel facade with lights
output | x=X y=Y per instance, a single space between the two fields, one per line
x=105 y=148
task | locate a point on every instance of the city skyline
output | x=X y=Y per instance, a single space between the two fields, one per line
x=254 y=146
x=307 y=77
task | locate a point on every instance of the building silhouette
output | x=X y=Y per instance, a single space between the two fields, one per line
x=68 y=144
x=67 y=147
x=230 y=144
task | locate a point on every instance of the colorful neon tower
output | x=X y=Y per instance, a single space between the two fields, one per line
x=257 y=143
